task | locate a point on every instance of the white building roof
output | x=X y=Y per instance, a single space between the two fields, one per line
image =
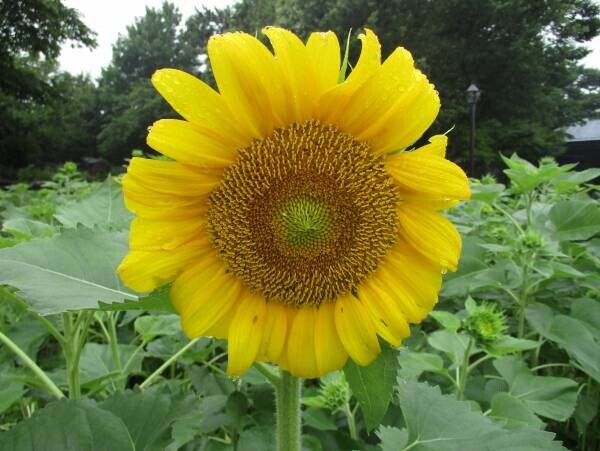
x=589 y=131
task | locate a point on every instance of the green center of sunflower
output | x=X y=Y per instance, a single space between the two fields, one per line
x=304 y=215
x=304 y=221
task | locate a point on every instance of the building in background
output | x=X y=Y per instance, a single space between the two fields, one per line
x=583 y=145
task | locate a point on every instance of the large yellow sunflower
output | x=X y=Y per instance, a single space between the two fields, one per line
x=291 y=221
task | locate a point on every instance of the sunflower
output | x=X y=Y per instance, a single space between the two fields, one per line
x=291 y=219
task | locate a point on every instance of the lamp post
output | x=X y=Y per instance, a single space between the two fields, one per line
x=473 y=95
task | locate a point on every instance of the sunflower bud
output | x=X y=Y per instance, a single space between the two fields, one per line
x=485 y=323
x=335 y=392
x=532 y=240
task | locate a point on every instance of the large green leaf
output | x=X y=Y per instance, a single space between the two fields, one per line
x=454 y=345
x=373 y=385
x=588 y=312
x=576 y=334
x=157 y=301
x=69 y=426
x=27 y=229
x=514 y=412
x=103 y=208
x=550 y=397
x=413 y=364
x=148 y=415
x=152 y=326
x=575 y=219
x=71 y=271
x=487 y=193
x=437 y=422
x=571 y=180
x=11 y=388
x=96 y=361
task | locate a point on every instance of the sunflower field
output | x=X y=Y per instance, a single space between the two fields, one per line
x=509 y=358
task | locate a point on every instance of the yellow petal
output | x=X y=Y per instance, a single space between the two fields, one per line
x=276 y=327
x=169 y=177
x=395 y=79
x=395 y=296
x=330 y=352
x=411 y=115
x=419 y=275
x=298 y=74
x=324 y=52
x=333 y=103
x=436 y=147
x=389 y=321
x=198 y=103
x=430 y=234
x=301 y=356
x=356 y=330
x=250 y=82
x=203 y=294
x=369 y=60
x=147 y=234
x=146 y=270
x=431 y=203
x=150 y=204
x=184 y=142
x=245 y=336
x=428 y=175
x=221 y=328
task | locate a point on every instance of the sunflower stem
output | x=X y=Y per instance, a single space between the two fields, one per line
x=287 y=396
x=43 y=377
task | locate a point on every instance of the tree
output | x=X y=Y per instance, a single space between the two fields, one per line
x=35 y=28
x=524 y=55
x=127 y=101
x=31 y=33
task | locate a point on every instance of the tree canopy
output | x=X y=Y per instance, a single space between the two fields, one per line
x=525 y=57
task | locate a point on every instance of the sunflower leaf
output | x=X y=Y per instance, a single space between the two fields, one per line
x=69 y=426
x=71 y=271
x=373 y=385
x=102 y=208
x=440 y=422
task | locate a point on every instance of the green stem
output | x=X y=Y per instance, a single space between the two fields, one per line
x=464 y=372
x=267 y=373
x=51 y=328
x=114 y=342
x=32 y=365
x=75 y=333
x=521 y=329
x=550 y=365
x=351 y=421
x=287 y=395
x=510 y=217
x=479 y=361
x=166 y=364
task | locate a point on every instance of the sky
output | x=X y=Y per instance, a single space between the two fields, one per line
x=108 y=18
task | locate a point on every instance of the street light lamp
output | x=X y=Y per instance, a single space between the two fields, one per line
x=473 y=95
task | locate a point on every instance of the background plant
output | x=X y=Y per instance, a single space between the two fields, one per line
x=52 y=117
x=509 y=357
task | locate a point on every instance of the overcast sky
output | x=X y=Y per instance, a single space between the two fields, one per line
x=108 y=18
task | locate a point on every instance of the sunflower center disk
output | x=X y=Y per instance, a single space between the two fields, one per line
x=304 y=222
x=304 y=215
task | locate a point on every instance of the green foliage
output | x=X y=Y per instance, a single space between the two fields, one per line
x=46 y=116
x=507 y=361
x=128 y=101
x=526 y=103
x=373 y=385
x=440 y=422
x=73 y=270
